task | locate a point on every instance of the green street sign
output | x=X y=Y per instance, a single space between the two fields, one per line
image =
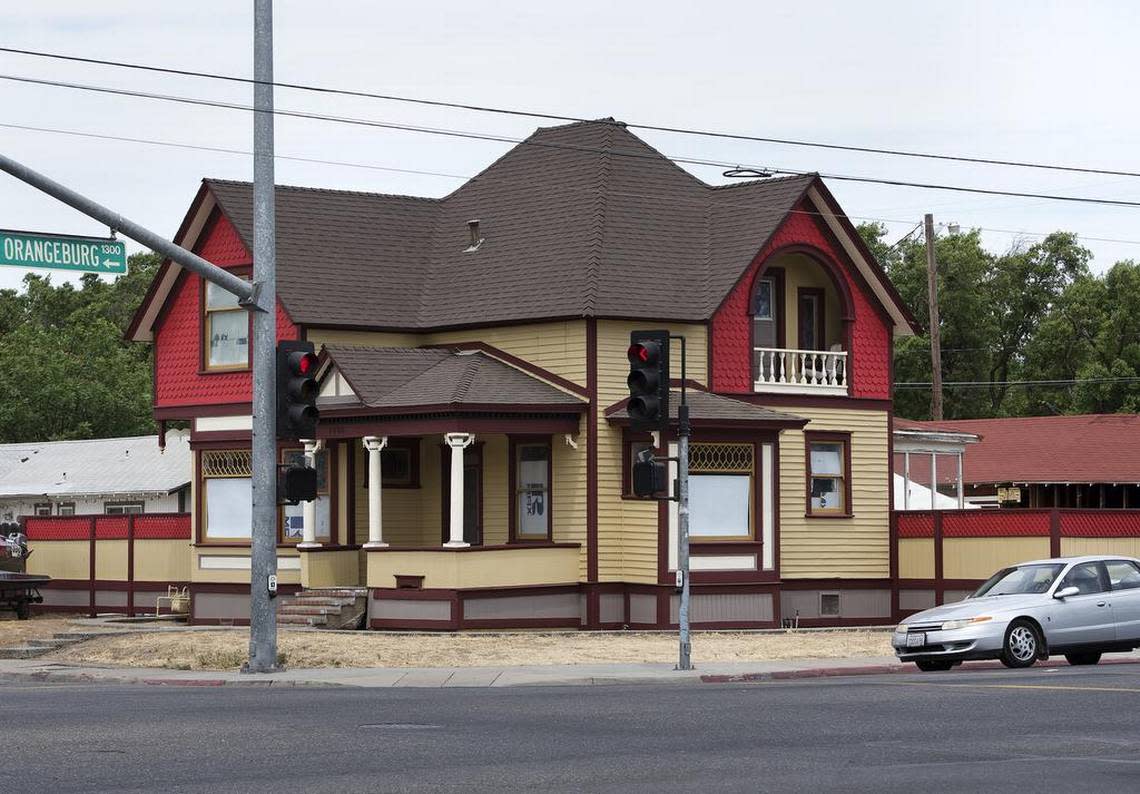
x=62 y=252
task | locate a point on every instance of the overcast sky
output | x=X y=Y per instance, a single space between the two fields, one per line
x=1054 y=82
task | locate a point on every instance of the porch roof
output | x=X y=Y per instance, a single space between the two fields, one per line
x=390 y=380
x=716 y=410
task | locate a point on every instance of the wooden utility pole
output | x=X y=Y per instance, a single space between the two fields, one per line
x=935 y=344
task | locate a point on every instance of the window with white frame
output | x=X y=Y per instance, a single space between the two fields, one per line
x=226 y=329
x=66 y=508
x=227 y=495
x=42 y=509
x=122 y=508
x=827 y=475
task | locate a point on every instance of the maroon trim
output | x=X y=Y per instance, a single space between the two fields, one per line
x=513 y=443
x=516 y=362
x=335 y=547
x=200 y=409
x=449 y=424
x=332 y=456
x=472 y=454
x=793 y=401
x=131 y=565
x=350 y=494
x=91 y=561
x=940 y=588
x=1054 y=533
x=468 y=549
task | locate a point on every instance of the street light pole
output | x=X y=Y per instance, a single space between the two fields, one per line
x=684 y=661
x=263 y=541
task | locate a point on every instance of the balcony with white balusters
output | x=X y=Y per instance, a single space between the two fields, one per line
x=791 y=371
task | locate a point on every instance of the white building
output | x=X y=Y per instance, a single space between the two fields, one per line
x=96 y=477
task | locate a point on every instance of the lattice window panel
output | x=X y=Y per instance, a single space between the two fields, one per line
x=227 y=463
x=721 y=458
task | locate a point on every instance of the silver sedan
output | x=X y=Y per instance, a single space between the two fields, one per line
x=1080 y=607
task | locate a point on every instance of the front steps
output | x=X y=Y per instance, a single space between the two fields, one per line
x=325 y=608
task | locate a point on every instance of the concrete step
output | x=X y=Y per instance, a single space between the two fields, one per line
x=290 y=609
x=79 y=636
x=27 y=651
x=54 y=642
x=302 y=620
x=336 y=592
x=320 y=601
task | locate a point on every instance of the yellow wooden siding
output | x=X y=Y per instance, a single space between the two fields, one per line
x=627 y=530
x=979 y=558
x=111 y=560
x=514 y=567
x=495 y=495
x=916 y=558
x=856 y=547
x=1078 y=547
x=568 y=497
x=162 y=561
x=330 y=568
x=558 y=346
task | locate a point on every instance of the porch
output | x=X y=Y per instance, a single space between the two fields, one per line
x=434 y=483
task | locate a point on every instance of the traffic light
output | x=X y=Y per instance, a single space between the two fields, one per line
x=649 y=477
x=296 y=484
x=648 y=380
x=296 y=391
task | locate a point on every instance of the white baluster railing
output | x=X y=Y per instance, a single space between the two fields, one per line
x=804 y=371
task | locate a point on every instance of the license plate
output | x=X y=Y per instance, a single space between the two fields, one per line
x=916 y=640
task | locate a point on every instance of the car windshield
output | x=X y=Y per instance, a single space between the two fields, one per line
x=1020 y=580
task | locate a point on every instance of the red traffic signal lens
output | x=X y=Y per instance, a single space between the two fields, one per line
x=637 y=353
x=307 y=364
x=643 y=353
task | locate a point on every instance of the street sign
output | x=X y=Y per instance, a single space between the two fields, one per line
x=62 y=252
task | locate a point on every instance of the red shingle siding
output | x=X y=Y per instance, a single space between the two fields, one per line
x=731 y=337
x=178 y=340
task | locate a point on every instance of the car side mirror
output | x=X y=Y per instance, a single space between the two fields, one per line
x=1065 y=592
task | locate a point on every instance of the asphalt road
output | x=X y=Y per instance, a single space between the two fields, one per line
x=1037 y=730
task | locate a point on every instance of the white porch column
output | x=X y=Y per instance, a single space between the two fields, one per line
x=309 y=509
x=374 y=445
x=961 y=486
x=458 y=442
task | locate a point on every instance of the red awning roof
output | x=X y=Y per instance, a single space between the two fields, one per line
x=1048 y=449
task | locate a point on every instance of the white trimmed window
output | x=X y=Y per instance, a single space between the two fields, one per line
x=721 y=491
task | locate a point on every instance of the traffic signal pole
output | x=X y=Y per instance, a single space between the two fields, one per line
x=263 y=540
x=684 y=661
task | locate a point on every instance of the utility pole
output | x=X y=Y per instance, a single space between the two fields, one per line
x=684 y=661
x=263 y=540
x=935 y=343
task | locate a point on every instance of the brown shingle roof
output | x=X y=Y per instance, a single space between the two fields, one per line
x=706 y=407
x=392 y=379
x=575 y=221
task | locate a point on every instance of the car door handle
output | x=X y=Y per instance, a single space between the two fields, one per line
x=1101 y=603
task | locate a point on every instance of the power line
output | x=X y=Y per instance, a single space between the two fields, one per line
x=984 y=384
x=421 y=172
x=557 y=117
x=550 y=144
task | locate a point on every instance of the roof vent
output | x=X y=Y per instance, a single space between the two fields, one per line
x=474 y=240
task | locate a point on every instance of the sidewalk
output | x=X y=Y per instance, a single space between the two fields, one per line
x=34 y=670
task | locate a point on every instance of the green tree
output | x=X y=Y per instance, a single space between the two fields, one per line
x=72 y=374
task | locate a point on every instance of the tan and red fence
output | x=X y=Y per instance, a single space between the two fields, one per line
x=108 y=563
x=942 y=556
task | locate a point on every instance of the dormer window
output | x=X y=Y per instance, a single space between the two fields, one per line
x=225 y=327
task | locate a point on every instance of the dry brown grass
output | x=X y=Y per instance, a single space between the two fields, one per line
x=225 y=650
x=17 y=632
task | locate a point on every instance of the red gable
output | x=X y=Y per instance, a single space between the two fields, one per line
x=179 y=379
x=870 y=337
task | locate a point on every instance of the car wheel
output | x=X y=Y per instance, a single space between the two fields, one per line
x=1088 y=657
x=1022 y=644
x=23 y=610
x=933 y=665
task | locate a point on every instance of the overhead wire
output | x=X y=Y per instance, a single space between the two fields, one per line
x=422 y=172
x=782 y=141
x=550 y=144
